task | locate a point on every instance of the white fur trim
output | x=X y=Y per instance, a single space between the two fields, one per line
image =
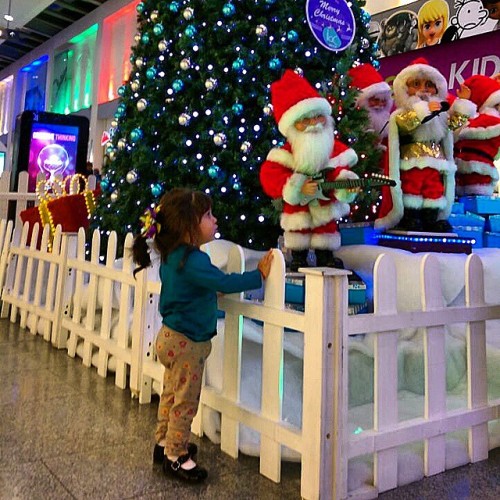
x=412 y=201
x=374 y=90
x=478 y=167
x=346 y=159
x=326 y=241
x=480 y=132
x=297 y=111
x=296 y=221
x=463 y=107
x=435 y=203
x=435 y=163
x=480 y=189
x=421 y=109
x=281 y=156
x=292 y=189
x=492 y=101
x=323 y=214
x=297 y=241
x=394 y=216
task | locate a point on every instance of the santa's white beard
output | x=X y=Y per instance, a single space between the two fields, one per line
x=436 y=128
x=378 y=121
x=311 y=149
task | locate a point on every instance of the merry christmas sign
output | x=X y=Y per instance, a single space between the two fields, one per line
x=331 y=22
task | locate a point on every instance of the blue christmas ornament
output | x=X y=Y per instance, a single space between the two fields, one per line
x=365 y=16
x=292 y=36
x=375 y=47
x=270 y=2
x=140 y=8
x=236 y=186
x=177 y=85
x=109 y=148
x=173 y=7
x=121 y=90
x=237 y=108
x=136 y=134
x=376 y=64
x=156 y=190
x=158 y=29
x=145 y=38
x=274 y=63
x=121 y=109
x=190 y=31
x=151 y=73
x=105 y=183
x=238 y=64
x=213 y=171
x=228 y=10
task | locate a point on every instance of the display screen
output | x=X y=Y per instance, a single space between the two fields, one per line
x=53 y=151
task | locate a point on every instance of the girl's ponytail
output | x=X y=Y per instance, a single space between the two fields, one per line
x=140 y=253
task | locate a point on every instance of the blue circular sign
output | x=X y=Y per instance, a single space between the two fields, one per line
x=332 y=23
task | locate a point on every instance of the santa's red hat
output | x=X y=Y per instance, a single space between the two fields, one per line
x=368 y=80
x=292 y=98
x=485 y=92
x=422 y=69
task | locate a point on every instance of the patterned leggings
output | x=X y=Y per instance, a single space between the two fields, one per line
x=184 y=361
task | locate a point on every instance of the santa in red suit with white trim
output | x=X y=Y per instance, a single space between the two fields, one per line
x=421 y=150
x=309 y=216
x=478 y=142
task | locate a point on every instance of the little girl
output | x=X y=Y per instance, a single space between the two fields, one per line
x=188 y=305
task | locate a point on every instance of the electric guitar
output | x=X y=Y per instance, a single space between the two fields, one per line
x=374 y=180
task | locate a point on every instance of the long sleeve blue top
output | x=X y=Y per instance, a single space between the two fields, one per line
x=188 y=297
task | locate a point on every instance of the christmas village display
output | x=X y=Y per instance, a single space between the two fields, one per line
x=277 y=111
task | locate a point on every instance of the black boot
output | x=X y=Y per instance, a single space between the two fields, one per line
x=299 y=259
x=325 y=258
x=411 y=220
x=432 y=224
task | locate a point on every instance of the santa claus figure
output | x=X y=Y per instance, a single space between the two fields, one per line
x=375 y=95
x=421 y=150
x=291 y=172
x=478 y=142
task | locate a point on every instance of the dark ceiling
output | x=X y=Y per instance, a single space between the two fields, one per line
x=55 y=18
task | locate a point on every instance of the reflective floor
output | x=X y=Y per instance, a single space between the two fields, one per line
x=66 y=433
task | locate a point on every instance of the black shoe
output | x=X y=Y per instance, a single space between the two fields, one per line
x=159 y=452
x=174 y=469
x=325 y=258
x=443 y=226
x=299 y=259
x=411 y=220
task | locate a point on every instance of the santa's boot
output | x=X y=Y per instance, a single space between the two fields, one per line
x=299 y=259
x=411 y=220
x=325 y=258
x=431 y=223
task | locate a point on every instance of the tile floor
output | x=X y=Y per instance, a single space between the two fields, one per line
x=66 y=433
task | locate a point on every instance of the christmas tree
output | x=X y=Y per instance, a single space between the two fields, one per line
x=196 y=109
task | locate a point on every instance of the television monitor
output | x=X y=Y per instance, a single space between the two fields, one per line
x=53 y=144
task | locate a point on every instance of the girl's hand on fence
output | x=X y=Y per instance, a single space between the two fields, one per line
x=264 y=265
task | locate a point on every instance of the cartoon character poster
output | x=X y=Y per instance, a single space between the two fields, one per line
x=53 y=150
x=430 y=22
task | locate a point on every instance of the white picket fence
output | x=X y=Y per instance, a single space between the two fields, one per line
x=98 y=311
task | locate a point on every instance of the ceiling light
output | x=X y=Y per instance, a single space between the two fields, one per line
x=8 y=17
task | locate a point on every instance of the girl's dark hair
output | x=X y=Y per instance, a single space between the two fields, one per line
x=180 y=213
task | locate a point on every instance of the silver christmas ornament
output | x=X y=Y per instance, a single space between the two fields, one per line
x=121 y=143
x=220 y=139
x=162 y=45
x=268 y=109
x=142 y=104
x=131 y=176
x=135 y=85
x=154 y=15
x=184 y=119
x=137 y=37
x=185 y=63
x=299 y=71
x=188 y=13
x=139 y=62
x=245 y=147
x=261 y=30
x=114 y=195
x=210 y=83
x=114 y=123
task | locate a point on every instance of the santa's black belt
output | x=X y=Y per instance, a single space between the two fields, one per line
x=474 y=151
